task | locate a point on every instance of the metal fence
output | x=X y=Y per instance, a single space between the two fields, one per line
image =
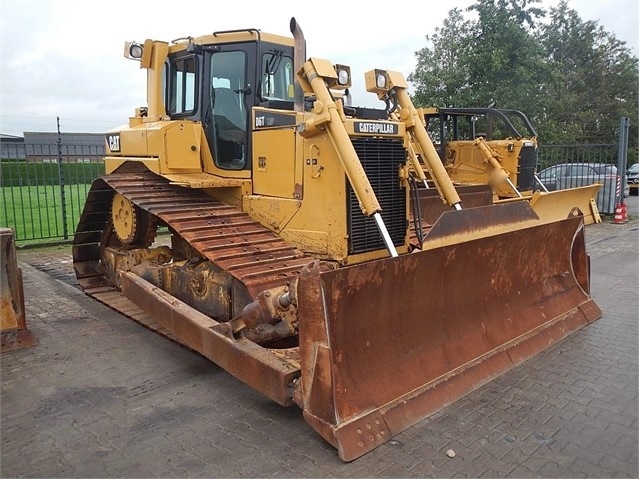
x=571 y=166
x=44 y=186
x=550 y=155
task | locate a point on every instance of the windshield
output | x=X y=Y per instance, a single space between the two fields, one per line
x=634 y=169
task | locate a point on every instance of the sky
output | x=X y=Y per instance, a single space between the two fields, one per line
x=64 y=58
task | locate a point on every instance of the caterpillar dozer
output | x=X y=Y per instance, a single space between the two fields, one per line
x=498 y=147
x=302 y=259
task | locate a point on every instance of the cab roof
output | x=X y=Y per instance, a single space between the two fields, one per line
x=231 y=36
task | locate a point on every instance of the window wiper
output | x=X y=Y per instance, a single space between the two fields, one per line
x=274 y=63
x=272 y=66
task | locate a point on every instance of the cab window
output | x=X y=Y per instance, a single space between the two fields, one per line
x=276 y=82
x=182 y=86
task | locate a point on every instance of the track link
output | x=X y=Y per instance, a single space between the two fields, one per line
x=223 y=234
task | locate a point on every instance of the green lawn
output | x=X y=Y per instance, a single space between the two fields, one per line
x=35 y=212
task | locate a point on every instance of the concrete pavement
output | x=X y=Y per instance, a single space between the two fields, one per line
x=101 y=396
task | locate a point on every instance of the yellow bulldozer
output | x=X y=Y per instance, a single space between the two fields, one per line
x=302 y=257
x=498 y=147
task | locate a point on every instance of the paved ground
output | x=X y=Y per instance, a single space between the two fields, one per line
x=101 y=396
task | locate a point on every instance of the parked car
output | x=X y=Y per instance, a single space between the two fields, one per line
x=571 y=175
x=632 y=178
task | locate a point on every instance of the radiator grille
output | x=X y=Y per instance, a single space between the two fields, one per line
x=380 y=158
x=527 y=165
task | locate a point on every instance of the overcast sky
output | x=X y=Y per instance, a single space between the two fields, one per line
x=63 y=58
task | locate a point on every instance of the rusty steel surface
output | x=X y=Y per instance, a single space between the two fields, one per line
x=221 y=233
x=398 y=339
x=13 y=324
x=382 y=344
x=271 y=372
x=224 y=235
x=17 y=339
x=432 y=206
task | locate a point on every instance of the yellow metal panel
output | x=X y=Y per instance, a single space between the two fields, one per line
x=274 y=213
x=238 y=36
x=316 y=225
x=324 y=68
x=133 y=141
x=176 y=144
x=274 y=163
x=182 y=146
x=558 y=205
x=468 y=166
x=313 y=242
x=203 y=180
x=323 y=209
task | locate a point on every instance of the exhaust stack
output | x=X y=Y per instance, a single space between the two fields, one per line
x=300 y=58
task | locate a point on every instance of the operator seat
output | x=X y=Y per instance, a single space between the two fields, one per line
x=227 y=105
x=230 y=125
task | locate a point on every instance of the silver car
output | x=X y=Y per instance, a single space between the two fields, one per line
x=571 y=175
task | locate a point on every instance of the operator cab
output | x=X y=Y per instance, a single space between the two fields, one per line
x=219 y=84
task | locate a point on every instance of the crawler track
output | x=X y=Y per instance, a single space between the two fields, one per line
x=221 y=233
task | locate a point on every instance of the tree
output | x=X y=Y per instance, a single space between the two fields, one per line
x=592 y=82
x=475 y=62
x=507 y=61
x=573 y=79
x=442 y=74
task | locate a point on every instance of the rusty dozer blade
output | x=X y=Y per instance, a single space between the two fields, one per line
x=552 y=205
x=14 y=333
x=385 y=344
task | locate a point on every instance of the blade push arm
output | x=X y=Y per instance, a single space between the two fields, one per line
x=387 y=83
x=499 y=173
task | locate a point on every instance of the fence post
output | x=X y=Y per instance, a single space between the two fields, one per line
x=622 y=157
x=63 y=203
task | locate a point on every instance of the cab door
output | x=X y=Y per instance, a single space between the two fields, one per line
x=228 y=97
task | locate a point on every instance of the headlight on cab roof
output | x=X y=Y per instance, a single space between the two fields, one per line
x=133 y=50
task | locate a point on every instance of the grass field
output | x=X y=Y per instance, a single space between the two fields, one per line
x=21 y=173
x=35 y=212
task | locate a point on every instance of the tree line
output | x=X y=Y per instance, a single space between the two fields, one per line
x=573 y=79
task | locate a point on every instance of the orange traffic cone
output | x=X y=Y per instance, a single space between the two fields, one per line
x=621 y=216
